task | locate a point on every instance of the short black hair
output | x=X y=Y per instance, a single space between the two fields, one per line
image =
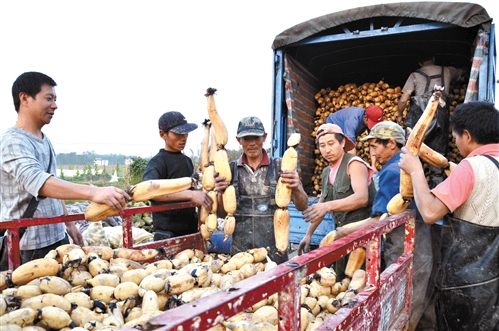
x=480 y=118
x=425 y=56
x=31 y=83
x=384 y=142
x=339 y=137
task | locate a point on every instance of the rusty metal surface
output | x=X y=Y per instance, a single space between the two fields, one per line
x=209 y=311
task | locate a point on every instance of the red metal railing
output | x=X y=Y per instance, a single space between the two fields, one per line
x=384 y=303
x=171 y=246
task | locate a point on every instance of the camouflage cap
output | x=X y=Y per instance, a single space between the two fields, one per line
x=387 y=130
x=250 y=126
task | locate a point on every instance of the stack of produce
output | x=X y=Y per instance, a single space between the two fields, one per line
x=283 y=196
x=351 y=95
x=208 y=218
x=380 y=94
x=221 y=165
x=141 y=220
x=321 y=296
x=93 y=288
x=457 y=94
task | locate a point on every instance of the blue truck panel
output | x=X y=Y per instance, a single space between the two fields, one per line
x=298 y=226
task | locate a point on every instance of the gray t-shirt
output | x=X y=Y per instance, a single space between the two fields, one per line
x=416 y=83
x=23 y=171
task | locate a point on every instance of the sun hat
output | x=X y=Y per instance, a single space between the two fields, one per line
x=329 y=128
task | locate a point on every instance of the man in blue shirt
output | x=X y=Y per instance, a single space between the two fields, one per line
x=354 y=120
x=386 y=140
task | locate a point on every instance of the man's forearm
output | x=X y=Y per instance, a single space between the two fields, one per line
x=400 y=108
x=60 y=189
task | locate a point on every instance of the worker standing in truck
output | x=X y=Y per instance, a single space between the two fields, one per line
x=467 y=283
x=347 y=188
x=354 y=121
x=421 y=83
x=254 y=176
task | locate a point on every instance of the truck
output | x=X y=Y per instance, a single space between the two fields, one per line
x=369 y=44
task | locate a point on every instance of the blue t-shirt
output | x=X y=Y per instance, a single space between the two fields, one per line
x=389 y=186
x=350 y=120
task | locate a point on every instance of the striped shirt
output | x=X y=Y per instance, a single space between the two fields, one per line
x=23 y=171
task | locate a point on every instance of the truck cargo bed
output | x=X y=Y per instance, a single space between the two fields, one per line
x=368 y=45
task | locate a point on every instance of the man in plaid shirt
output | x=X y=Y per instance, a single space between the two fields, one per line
x=28 y=168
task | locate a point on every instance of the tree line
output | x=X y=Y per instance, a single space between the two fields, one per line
x=89 y=158
x=86 y=169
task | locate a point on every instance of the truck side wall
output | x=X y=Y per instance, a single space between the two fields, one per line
x=300 y=89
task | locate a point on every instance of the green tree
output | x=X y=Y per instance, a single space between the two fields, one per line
x=137 y=167
x=62 y=174
x=87 y=172
x=118 y=170
x=234 y=154
x=104 y=174
x=96 y=169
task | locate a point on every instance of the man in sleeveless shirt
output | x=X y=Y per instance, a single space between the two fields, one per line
x=420 y=85
x=347 y=188
x=467 y=283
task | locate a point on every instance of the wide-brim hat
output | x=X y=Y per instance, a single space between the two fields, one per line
x=330 y=128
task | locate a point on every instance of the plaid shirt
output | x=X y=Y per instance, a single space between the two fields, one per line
x=23 y=171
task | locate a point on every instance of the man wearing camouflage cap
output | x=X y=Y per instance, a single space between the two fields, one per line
x=386 y=140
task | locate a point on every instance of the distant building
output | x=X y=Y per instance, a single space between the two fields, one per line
x=101 y=162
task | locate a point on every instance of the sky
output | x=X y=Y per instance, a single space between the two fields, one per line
x=119 y=65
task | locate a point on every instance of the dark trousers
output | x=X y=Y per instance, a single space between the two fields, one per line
x=428 y=320
x=422 y=267
x=28 y=255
